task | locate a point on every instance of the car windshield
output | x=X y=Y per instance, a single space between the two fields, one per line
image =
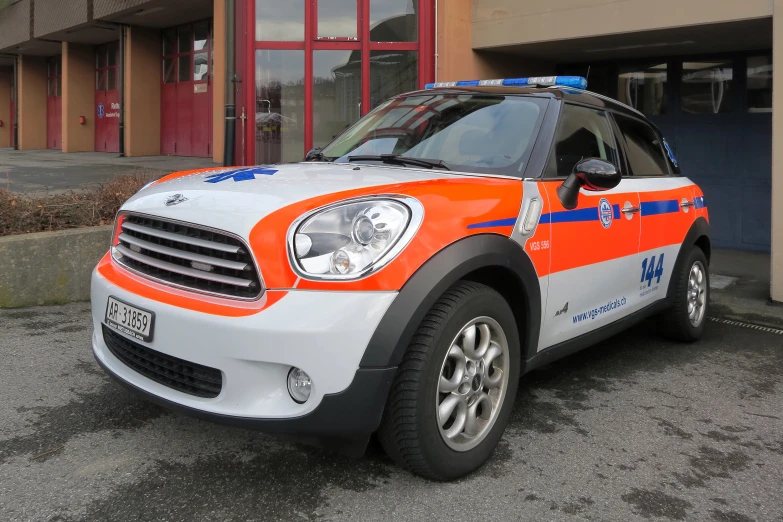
x=491 y=134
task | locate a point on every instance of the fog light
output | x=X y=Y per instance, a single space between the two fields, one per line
x=299 y=385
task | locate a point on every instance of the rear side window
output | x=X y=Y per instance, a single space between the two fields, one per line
x=581 y=133
x=643 y=146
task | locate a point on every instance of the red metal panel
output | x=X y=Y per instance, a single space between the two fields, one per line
x=107 y=100
x=13 y=116
x=54 y=122
x=202 y=120
x=168 y=119
x=184 y=104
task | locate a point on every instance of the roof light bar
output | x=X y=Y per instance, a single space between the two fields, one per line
x=576 y=82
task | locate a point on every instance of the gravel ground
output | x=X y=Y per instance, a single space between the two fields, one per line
x=634 y=429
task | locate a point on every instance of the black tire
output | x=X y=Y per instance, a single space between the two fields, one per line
x=409 y=432
x=675 y=321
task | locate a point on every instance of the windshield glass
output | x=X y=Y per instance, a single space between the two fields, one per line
x=468 y=132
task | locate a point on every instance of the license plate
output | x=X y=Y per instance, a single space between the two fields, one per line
x=130 y=320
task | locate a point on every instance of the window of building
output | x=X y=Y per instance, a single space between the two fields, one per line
x=392 y=72
x=337 y=93
x=581 y=133
x=278 y=21
x=279 y=119
x=644 y=88
x=187 y=53
x=355 y=55
x=338 y=19
x=392 y=21
x=643 y=147
x=759 y=90
x=107 y=67
x=54 y=77
x=706 y=87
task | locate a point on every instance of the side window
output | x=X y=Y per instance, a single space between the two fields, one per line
x=643 y=147
x=581 y=133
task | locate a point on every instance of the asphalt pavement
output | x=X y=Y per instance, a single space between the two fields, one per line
x=634 y=429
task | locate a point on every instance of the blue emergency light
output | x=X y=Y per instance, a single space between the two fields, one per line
x=575 y=82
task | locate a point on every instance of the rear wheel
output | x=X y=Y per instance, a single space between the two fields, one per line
x=687 y=317
x=455 y=388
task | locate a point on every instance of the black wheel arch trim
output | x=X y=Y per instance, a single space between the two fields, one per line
x=699 y=228
x=395 y=331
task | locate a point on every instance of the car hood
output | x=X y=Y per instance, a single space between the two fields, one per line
x=235 y=199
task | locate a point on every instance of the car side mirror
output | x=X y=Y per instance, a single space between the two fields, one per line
x=314 y=154
x=592 y=174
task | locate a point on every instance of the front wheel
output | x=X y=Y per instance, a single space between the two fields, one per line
x=687 y=317
x=455 y=388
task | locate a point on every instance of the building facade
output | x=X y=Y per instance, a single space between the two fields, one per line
x=149 y=77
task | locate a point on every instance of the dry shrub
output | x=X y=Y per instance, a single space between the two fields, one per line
x=21 y=214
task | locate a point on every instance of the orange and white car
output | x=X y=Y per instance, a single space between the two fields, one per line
x=404 y=277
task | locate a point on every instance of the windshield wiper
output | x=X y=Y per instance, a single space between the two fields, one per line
x=398 y=159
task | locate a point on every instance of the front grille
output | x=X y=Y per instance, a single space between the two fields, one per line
x=181 y=375
x=188 y=256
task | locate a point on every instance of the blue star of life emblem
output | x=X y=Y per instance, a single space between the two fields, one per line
x=247 y=174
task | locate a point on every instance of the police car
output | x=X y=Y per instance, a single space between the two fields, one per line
x=405 y=277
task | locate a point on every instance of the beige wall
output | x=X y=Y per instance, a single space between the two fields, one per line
x=508 y=22
x=142 y=92
x=777 y=155
x=78 y=97
x=6 y=76
x=457 y=61
x=219 y=80
x=32 y=103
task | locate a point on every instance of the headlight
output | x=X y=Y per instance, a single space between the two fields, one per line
x=353 y=238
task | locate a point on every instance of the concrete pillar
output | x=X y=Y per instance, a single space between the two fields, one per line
x=219 y=80
x=142 y=92
x=6 y=77
x=32 y=103
x=776 y=289
x=78 y=97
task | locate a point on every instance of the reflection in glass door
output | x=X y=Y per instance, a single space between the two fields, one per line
x=321 y=64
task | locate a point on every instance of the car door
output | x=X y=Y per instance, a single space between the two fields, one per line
x=667 y=202
x=594 y=247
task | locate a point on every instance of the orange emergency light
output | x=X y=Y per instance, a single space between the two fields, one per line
x=82 y=120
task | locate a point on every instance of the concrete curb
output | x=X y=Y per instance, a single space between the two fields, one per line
x=47 y=268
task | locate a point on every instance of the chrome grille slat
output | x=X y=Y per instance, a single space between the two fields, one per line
x=187 y=256
x=182 y=239
x=171 y=267
x=146 y=245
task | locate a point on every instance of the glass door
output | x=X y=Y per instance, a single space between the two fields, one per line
x=319 y=65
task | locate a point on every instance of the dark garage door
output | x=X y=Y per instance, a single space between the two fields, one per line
x=716 y=113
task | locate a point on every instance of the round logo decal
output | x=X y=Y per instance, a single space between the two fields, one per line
x=605 y=213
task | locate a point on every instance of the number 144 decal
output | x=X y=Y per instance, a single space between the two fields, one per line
x=652 y=271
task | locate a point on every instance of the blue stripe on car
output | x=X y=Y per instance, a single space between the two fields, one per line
x=652 y=208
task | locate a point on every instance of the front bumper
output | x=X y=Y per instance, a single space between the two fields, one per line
x=324 y=333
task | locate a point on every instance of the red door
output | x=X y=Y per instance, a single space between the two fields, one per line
x=13 y=112
x=186 y=101
x=107 y=98
x=54 y=105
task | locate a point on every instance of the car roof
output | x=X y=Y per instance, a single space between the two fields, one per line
x=556 y=92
